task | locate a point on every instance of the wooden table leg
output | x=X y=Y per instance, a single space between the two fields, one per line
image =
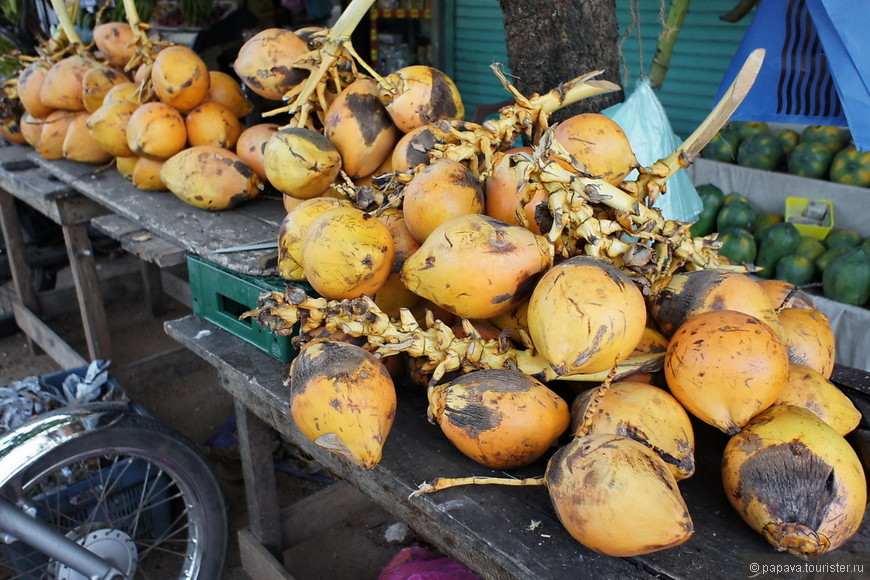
x=255 y=446
x=87 y=284
x=22 y=279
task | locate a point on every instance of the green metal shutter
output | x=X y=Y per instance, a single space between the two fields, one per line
x=475 y=40
x=704 y=49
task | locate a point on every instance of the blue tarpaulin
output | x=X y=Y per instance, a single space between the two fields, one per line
x=817 y=68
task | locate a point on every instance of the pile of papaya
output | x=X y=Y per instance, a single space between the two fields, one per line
x=838 y=264
x=816 y=151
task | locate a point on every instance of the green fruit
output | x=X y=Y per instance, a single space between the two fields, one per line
x=798 y=270
x=763 y=220
x=865 y=244
x=734 y=196
x=825 y=259
x=747 y=129
x=788 y=138
x=842 y=238
x=851 y=167
x=778 y=240
x=760 y=151
x=810 y=159
x=738 y=245
x=810 y=247
x=711 y=200
x=735 y=214
x=722 y=147
x=847 y=278
x=834 y=138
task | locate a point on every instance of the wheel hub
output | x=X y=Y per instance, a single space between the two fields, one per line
x=114 y=546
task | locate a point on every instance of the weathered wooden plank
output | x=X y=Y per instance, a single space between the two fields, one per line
x=43 y=335
x=140 y=242
x=255 y=446
x=88 y=292
x=320 y=511
x=487 y=529
x=257 y=562
x=194 y=230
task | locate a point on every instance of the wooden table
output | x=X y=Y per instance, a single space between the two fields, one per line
x=492 y=529
x=499 y=532
x=21 y=178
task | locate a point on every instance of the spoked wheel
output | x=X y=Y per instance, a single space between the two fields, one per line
x=138 y=494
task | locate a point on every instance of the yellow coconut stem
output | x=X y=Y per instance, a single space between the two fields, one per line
x=442 y=483
x=66 y=22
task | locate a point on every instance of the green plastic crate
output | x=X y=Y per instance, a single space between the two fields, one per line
x=221 y=296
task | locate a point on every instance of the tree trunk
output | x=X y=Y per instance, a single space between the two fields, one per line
x=552 y=41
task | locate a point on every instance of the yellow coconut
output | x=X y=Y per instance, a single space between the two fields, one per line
x=300 y=162
x=114 y=40
x=265 y=62
x=251 y=146
x=342 y=399
x=809 y=339
x=126 y=166
x=29 y=85
x=292 y=231
x=643 y=412
x=97 y=82
x=108 y=127
x=347 y=253
x=809 y=389
x=725 y=367
x=51 y=138
x=477 y=267
x=79 y=145
x=684 y=294
x=418 y=95
x=211 y=178
x=156 y=130
x=62 y=87
x=227 y=91
x=585 y=315
x=180 y=77
x=500 y=418
x=599 y=145
x=796 y=481
x=616 y=496
x=146 y=174
x=441 y=191
x=212 y=124
x=360 y=128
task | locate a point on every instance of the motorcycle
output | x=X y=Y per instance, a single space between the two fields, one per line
x=103 y=490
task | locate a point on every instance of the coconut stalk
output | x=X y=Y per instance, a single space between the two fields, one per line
x=323 y=64
x=667 y=39
x=433 y=342
x=652 y=179
x=66 y=22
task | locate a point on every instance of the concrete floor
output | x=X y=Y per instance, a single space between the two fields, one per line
x=182 y=390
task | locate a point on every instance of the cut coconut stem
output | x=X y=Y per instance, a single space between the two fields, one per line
x=66 y=22
x=443 y=483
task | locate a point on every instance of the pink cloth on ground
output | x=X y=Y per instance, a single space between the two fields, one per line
x=421 y=564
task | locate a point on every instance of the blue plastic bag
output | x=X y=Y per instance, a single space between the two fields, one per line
x=645 y=122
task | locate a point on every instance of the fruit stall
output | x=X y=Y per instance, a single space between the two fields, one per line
x=509 y=348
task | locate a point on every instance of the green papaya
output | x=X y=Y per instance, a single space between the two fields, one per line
x=810 y=247
x=763 y=220
x=735 y=214
x=825 y=259
x=738 y=245
x=847 y=278
x=712 y=199
x=778 y=240
x=842 y=238
x=797 y=270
